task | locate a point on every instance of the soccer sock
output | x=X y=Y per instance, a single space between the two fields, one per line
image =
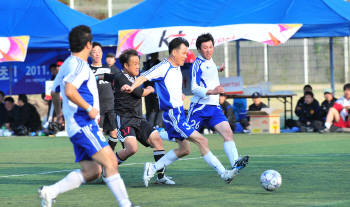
x=117 y=186
x=112 y=142
x=166 y=160
x=327 y=125
x=73 y=180
x=214 y=163
x=120 y=161
x=231 y=152
x=157 y=154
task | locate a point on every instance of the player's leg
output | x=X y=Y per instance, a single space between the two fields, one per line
x=111 y=127
x=332 y=116
x=130 y=148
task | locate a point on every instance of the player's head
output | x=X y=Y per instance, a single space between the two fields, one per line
x=96 y=52
x=130 y=61
x=178 y=50
x=80 y=38
x=22 y=99
x=307 y=88
x=2 y=96
x=308 y=97
x=205 y=45
x=110 y=59
x=9 y=103
x=347 y=90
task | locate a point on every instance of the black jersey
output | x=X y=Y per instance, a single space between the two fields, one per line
x=127 y=104
x=254 y=107
x=105 y=90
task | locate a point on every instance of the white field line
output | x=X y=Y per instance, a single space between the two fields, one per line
x=182 y=159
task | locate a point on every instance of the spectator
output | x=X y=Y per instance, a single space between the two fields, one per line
x=12 y=114
x=327 y=103
x=309 y=114
x=30 y=117
x=257 y=103
x=338 y=115
x=2 y=109
x=240 y=110
x=59 y=63
x=228 y=111
x=153 y=113
x=53 y=70
x=110 y=61
x=301 y=101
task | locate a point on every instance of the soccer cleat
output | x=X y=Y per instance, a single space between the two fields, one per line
x=228 y=175
x=165 y=180
x=46 y=198
x=241 y=163
x=148 y=173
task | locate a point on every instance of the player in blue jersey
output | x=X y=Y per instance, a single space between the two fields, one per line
x=205 y=110
x=167 y=77
x=81 y=109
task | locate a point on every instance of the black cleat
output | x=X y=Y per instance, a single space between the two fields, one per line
x=241 y=163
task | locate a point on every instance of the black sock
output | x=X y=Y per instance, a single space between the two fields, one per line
x=112 y=142
x=157 y=154
x=120 y=161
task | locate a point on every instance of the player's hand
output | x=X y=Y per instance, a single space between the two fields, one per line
x=93 y=113
x=150 y=88
x=126 y=88
x=347 y=107
x=219 y=90
x=221 y=68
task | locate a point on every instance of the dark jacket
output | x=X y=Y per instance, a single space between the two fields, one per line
x=13 y=117
x=254 y=107
x=300 y=102
x=309 y=112
x=30 y=117
x=325 y=106
x=230 y=115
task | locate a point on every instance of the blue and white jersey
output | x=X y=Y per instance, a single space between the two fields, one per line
x=166 y=78
x=78 y=73
x=204 y=77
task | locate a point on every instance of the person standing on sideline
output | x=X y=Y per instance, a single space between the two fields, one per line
x=78 y=88
x=168 y=80
x=205 y=110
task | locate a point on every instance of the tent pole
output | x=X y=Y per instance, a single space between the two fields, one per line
x=71 y=4
x=226 y=59
x=10 y=78
x=266 y=64
x=306 y=61
x=238 y=59
x=346 y=59
x=109 y=8
x=331 y=63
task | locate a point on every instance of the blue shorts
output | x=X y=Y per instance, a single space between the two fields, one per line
x=87 y=142
x=202 y=115
x=175 y=124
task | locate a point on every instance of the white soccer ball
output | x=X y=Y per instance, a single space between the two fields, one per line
x=270 y=180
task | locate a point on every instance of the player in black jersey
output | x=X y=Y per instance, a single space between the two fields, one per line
x=105 y=92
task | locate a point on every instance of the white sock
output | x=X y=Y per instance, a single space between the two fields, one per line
x=117 y=186
x=231 y=152
x=73 y=180
x=214 y=163
x=166 y=160
x=327 y=125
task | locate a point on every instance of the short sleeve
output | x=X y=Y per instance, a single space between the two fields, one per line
x=156 y=72
x=78 y=75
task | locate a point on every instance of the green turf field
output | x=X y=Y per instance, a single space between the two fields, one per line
x=315 y=171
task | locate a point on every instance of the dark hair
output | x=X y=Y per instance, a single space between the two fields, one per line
x=54 y=65
x=2 y=93
x=204 y=38
x=9 y=99
x=176 y=43
x=94 y=44
x=309 y=93
x=23 y=98
x=79 y=36
x=125 y=56
x=307 y=86
x=346 y=86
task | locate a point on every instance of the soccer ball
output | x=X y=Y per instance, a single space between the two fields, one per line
x=270 y=180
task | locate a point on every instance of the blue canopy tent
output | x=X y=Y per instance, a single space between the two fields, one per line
x=320 y=18
x=48 y=23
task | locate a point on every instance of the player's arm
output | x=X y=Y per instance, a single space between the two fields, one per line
x=138 y=82
x=148 y=90
x=197 y=89
x=56 y=98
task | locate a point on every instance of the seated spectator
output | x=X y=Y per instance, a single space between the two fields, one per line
x=12 y=114
x=309 y=114
x=228 y=111
x=327 y=103
x=301 y=101
x=30 y=117
x=338 y=115
x=2 y=109
x=257 y=103
x=240 y=110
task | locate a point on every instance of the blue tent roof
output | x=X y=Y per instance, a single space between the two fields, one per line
x=47 y=22
x=320 y=18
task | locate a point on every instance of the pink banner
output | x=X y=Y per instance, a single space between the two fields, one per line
x=13 y=48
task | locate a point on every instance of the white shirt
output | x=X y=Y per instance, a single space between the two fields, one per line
x=204 y=77
x=168 y=84
x=78 y=73
x=340 y=104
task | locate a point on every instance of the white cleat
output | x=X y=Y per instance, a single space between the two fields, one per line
x=148 y=173
x=46 y=198
x=165 y=180
x=228 y=175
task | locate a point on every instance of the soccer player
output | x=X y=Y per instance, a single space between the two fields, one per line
x=205 y=108
x=131 y=124
x=168 y=81
x=105 y=92
x=78 y=88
